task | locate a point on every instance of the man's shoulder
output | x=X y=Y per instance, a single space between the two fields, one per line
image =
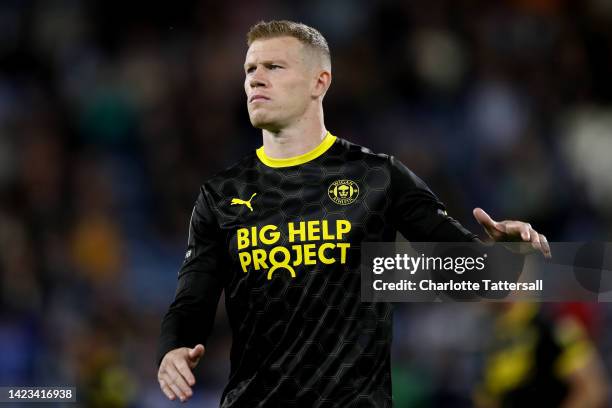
x=236 y=170
x=354 y=152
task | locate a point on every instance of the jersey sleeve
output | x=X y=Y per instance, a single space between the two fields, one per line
x=190 y=317
x=417 y=213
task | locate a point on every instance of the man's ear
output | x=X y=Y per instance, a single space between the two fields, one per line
x=322 y=83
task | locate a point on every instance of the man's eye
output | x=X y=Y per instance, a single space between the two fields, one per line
x=249 y=70
x=272 y=66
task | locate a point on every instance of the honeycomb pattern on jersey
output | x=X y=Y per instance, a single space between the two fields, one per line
x=307 y=341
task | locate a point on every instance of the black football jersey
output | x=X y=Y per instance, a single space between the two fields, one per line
x=282 y=238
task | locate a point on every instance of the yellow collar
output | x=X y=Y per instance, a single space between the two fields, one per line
x=325 y=144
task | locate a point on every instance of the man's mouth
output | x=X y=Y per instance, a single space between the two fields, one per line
x=256 y=98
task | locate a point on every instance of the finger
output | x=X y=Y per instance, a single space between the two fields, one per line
x=518 y=229
x=168 y=392
x=185 y=372
x=525 y=230
x=545 y=246
x=173 y=379
x=165 y=383
x=196 y=352
x=535 y=240
x=483 y=218
x=171 y=396
x=177 y=391
x=178 y=380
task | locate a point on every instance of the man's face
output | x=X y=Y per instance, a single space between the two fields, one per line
x=278 y=82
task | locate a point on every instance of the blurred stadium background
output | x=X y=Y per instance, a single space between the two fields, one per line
x=112 y=113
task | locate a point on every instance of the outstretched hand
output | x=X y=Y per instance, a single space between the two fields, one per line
x=175 y=376
x=512 y=231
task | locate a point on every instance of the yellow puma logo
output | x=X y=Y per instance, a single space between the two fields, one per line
x=247 y=203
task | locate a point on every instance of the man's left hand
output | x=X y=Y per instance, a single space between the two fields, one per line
x=512 y=231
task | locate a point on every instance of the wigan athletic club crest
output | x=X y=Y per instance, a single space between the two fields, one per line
x=343 y=192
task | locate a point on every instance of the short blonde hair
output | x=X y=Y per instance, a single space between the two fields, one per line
x=307 y=35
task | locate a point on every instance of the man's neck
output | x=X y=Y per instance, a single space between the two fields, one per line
x=292 y=142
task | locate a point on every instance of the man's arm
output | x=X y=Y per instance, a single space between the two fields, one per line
x=416 y=211
x=513 y=231
x=189 y=320
x=421 y=217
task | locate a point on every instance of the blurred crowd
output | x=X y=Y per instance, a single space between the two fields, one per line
x=113 y=113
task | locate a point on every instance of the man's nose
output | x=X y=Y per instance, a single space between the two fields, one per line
x=257 y=79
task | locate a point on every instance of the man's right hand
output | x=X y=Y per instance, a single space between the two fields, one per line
x=175 y=376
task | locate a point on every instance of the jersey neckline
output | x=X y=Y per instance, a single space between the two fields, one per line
x=325 y=144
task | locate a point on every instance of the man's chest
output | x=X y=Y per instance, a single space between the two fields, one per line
x=300 y=219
